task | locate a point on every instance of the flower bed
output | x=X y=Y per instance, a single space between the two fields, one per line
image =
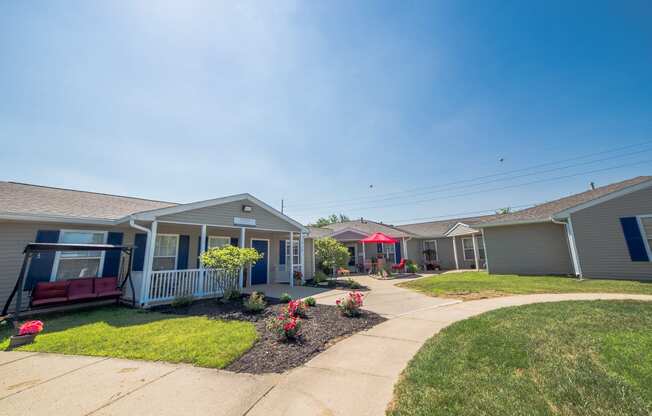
x=322 y=326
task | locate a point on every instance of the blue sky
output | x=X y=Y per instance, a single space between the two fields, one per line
x=315 y=101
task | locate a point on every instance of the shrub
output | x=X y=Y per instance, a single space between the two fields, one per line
x=285 y=298
x=230 y=258
x=231 y=294
x=181 y=301
x=352 y=284
x=331 y=252
x=297 y=308
x=255 y=303
x=311 y=301
x=320 y=277
x=411 y=266
x=286 y=326
x=351 y=304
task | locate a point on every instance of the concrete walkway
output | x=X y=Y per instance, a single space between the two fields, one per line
x=354 y=377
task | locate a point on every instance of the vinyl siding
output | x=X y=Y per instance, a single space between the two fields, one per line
x=14 y=236
x=445 y=255
x=349 y=236
x=222 y=215
x=601 y=244
x=532 y=249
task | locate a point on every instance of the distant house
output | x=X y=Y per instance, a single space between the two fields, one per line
x=168 y=239
x=600 y=233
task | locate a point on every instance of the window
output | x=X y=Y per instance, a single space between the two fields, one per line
x=646 y=222
x=217 y=242
x=467 y=246
x=165 y=252
x=76 y=264
x=295 y=252
x=430 y=250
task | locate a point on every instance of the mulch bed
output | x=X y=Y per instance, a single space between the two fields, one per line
x=323 y=327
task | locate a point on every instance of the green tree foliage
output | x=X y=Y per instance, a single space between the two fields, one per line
x=331 y=219
x=332 y=253
x=230 y=258
x=503 y=211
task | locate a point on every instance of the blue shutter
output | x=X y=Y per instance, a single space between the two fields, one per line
x=182 y=256
x=281 y=252
x=397 y=248
x=234 y=241
x=112 y=258
x=634 y=239
x=140 y=241
x=40 y=268
x=379 y=247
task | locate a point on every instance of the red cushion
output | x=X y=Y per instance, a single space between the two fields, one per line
x=82 y=296
x=110 y=294
x=106 y=285
x=49 y=301
x=80 y=287
x=47 y=290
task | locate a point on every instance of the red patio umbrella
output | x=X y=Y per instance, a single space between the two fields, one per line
x=378 y=238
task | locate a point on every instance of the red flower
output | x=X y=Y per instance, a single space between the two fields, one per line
x=30 y=327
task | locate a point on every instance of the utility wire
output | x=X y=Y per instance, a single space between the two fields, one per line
x=399 y=194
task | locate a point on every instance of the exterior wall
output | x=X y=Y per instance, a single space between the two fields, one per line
x=349 y=236
x=222 y=215
x=445 y=255
x=14 y=236
x=530 y=249
x=600 y=240
x=309 y=265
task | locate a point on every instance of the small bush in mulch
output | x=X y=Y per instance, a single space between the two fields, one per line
x=285 y=298
x=310 y=301
x=340 y=284
x=323 y=326
x=255 y=303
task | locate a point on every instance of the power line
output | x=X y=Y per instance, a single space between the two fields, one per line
x=508 y=186
x=401 y=194
x=493 y=180
x=444 y=217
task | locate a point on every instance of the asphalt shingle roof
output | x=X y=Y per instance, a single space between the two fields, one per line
x=21 y=198
x=546 y=210
x=434 y=229
x=366 y=227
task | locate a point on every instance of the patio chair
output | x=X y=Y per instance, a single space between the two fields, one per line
x=400 y=266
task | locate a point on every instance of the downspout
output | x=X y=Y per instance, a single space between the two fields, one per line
x=568 y=225
x=143 y=287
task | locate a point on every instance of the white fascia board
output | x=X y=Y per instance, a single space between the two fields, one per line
x=608 y=197
x=454 y=227
x=153 y=214
x=55 y=218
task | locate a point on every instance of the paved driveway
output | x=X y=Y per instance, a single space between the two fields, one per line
x=354 y=377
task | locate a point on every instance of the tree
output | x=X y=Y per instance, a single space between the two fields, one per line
x=503 y=211
x=332 y=253
x=331 y=219
x=230 y=258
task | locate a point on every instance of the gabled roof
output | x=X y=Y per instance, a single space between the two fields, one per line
x=365 y=227
x=35 y=200
x=437 y=229
x=545 y=212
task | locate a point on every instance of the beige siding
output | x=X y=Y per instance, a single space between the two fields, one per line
x=532 y=249
x=15 y=235
x=222 y=215
x=601 y=244
x=309 y=267
x=445 y=255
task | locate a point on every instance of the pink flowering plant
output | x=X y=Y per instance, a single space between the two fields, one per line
x=30 y=328
x=285 y=325
x=351 y=304
x=297 y=308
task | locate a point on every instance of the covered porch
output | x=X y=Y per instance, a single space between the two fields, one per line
x=468 y=247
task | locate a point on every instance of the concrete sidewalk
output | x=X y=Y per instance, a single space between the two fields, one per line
x=354 y=377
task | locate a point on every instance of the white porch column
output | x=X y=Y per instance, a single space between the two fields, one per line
x=242 y=245
x=301 y=254
x=202 y=271
x=149 y=261
x=291 y=259
x=457 y=262
x=476 y=254
x=364 y=256
x=404 y=246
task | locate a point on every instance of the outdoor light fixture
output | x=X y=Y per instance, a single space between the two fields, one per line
x=246 y=208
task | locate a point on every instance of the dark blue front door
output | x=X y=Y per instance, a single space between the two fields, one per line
x=259 y=270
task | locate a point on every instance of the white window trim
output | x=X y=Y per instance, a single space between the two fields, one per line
x=57 y=256
x=464 y=250
x=176 y=253
x=646 y=238
x=436 y=249
x=217 y=236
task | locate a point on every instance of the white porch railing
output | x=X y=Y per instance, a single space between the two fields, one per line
x=166 y=285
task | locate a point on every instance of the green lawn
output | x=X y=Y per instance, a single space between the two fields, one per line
x=566 y=358
x=127 y=333
x=476 y=285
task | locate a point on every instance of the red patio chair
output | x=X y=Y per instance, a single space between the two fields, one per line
x=400 y=266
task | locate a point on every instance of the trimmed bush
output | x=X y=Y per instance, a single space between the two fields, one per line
x=255 y=303
x=311 y=302
x=285 y=298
